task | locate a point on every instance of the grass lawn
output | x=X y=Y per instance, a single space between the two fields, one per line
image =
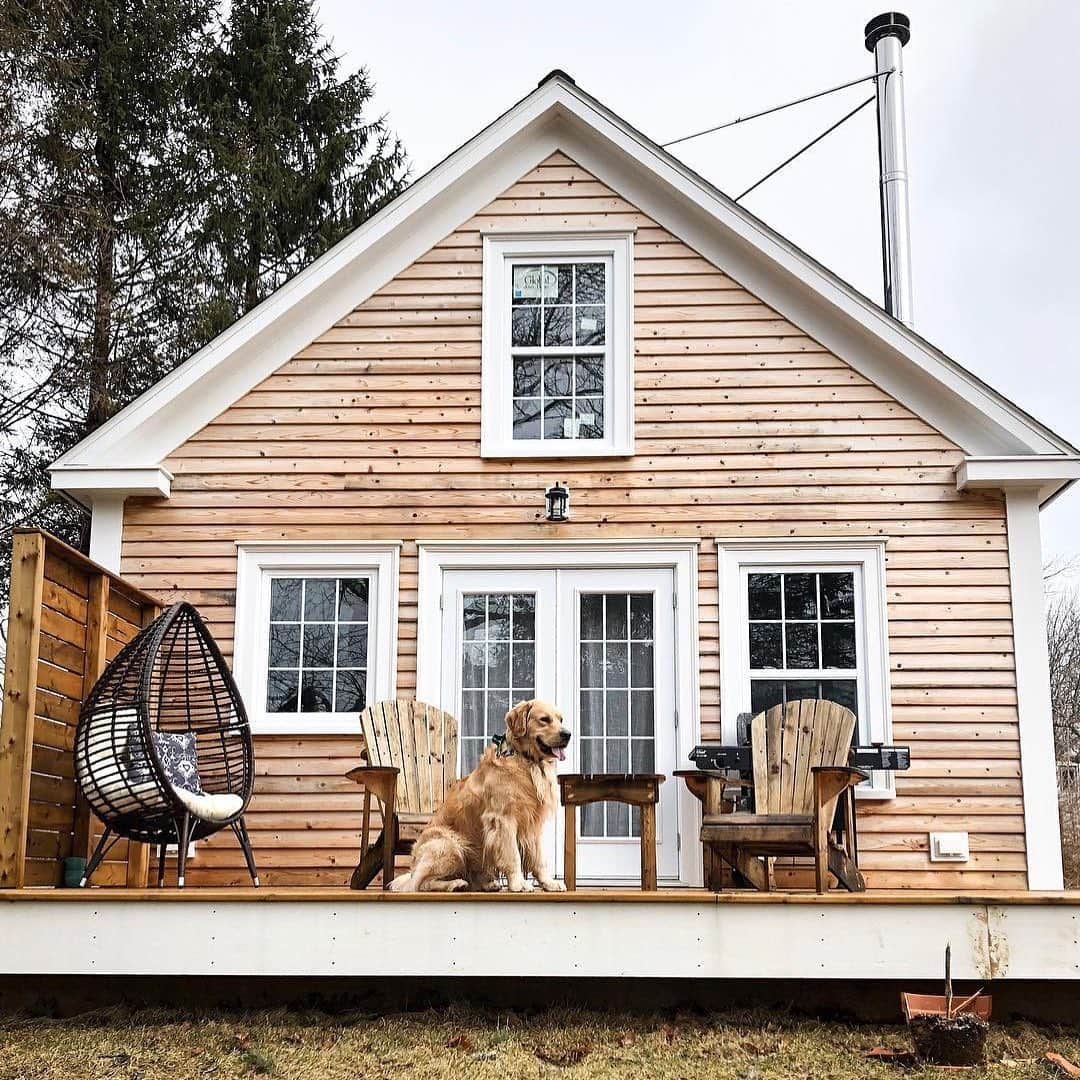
x=123 y=1044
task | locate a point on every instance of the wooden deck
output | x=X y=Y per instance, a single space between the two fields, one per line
x=698 y=897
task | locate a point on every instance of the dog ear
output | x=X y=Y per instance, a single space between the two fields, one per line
x=517 y=719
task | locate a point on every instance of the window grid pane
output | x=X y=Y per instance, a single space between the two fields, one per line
x=802 y=632
x=559 y=308
x=616 y=675
x=498 y=666
x=317 y=645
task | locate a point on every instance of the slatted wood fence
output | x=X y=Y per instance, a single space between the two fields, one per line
x=68 y=617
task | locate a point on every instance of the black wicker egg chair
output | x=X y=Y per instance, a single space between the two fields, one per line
x=163 y=749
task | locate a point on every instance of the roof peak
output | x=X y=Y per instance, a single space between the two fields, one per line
x=557 y=73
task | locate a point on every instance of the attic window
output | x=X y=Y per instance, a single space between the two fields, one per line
x=557 y=363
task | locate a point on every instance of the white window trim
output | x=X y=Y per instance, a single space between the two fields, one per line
x=868 y=557
x=255 y=562
x=496 y=433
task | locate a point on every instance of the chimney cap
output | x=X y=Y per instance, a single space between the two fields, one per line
x=557 y=73
x=886 y=24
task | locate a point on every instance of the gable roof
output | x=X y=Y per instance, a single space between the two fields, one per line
x=125 y=455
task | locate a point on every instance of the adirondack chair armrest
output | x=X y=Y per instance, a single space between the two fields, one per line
x=380 y=780
x=857 y=776
x=831 y=780
x=699 y=781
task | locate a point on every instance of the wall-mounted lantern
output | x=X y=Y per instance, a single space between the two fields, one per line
x=557 y=501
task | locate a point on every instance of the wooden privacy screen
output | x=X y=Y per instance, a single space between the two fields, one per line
x=68 y=617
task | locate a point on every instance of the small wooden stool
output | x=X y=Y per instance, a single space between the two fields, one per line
x=634 y=789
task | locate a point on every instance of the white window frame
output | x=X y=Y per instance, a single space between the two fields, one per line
x=866 y=558
x=256 y=564
x=496 y=414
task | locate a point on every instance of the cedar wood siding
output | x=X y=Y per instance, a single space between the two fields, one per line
x=744 y=427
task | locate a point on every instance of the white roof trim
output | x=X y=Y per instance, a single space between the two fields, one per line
x=1046 y=474
x=559 y=116
x=119 y=480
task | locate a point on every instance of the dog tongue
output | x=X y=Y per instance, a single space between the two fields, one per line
x=560 y=753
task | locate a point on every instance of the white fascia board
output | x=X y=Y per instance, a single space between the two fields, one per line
x=1046 y=474
x=154 y=480
x=559 y=116
x=425 y=935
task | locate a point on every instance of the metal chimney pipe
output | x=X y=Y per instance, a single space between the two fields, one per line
x=886 y=36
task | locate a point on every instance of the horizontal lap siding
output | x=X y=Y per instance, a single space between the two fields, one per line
x=744 y=427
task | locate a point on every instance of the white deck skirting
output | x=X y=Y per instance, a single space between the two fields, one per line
x=699 y=936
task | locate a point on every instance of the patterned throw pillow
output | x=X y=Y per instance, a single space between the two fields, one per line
x=177 y=756
x=134 y=760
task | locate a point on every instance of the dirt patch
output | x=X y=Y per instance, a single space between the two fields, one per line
x=956 y=1040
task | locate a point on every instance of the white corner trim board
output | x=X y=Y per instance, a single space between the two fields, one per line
x=107 y=530
x=560 y=116
x=256 y=564
x=1042 y=828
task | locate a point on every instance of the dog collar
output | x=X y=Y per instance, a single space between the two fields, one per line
x=502 y=747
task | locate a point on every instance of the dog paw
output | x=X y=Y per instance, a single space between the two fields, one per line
x=553 y=886
x=520 y=885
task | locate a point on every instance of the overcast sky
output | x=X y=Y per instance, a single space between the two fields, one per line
x=991 y=119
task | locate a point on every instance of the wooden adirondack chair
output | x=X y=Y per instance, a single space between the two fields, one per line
x=800 y=753
x=411 y=754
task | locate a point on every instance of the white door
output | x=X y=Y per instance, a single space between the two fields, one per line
x=600 y=645
x=616 y=675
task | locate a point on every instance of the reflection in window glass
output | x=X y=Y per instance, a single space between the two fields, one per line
x=802 y=622
x=558 y=306
x=615 y=680
x=498 y=666
x=317 y=645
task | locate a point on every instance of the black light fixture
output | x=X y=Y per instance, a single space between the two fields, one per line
x=557 y=500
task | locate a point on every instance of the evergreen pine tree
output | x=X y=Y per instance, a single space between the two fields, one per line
x=295 y=165
x=96 y=216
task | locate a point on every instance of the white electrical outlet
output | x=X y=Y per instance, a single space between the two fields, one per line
x=949 y=847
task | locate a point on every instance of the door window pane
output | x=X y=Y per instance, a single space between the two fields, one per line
x=618 y=724
x=498 y=665
x=317 y=645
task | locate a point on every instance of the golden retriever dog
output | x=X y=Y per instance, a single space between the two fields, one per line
x=493 y=820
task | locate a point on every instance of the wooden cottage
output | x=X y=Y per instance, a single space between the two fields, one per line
x=776 y=491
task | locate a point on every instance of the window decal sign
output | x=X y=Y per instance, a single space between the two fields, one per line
x=535 y=282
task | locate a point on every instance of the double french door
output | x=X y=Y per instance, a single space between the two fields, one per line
x=599 y=644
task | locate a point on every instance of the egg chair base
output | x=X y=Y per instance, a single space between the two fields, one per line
x=181 y=838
